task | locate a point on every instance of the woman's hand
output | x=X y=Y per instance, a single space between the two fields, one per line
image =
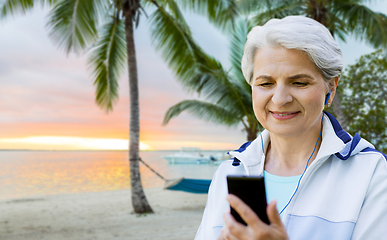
x=255 y=229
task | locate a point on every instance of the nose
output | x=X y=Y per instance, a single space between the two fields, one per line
x=281 y=96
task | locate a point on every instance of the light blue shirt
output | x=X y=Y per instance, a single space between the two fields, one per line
x=280 y=188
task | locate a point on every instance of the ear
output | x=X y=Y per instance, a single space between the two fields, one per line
x=332 y=87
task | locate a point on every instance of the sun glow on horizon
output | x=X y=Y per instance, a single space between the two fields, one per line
x=68 y=143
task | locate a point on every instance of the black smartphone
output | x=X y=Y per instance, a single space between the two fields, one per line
x=251 y=189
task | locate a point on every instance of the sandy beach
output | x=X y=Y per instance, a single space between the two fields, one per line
x=101 y=215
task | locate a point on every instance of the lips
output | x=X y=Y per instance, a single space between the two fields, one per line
x=284 y=115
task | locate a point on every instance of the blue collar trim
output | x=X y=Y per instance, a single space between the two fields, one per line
x=351 y=143
x=243 y=147
x=343 y=135
x=368 y=149
x=344 y=154
x=347 y=151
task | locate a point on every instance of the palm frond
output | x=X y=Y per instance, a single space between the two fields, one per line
x=103 y=9
x=72 y=24
x=48 y=2
x=364 y=23
x=206 y=79
x=336 y=25
x=171 y=38
x=202 y=110
x=171 y=6
x=220 y=88
x=280 y=10
x=237 y=43
x=11 y=7
x=175 y=10
x=108 y=60
x=177 y=46
x=237 y=96
x=224 y=17
x=195 y=69
x=248 y=7
x=221 y=13
x=149 y=4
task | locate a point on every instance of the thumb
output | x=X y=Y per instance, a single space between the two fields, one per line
x=273 y=214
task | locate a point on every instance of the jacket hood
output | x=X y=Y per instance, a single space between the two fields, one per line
x=334 y=141
x=353 y=145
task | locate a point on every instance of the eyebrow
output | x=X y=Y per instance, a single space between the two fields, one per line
x=300 y=76
x=264 y=77
x=297 y=76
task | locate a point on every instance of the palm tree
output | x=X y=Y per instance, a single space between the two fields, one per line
x=73 y=26
x=341 y=17
x=227 y=95
x=105 y=27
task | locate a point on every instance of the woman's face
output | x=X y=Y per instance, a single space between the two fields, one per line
x=288 y=92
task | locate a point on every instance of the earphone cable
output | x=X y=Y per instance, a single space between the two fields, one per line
x=307 y=163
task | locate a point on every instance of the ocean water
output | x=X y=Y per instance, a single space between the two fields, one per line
x=37 y=173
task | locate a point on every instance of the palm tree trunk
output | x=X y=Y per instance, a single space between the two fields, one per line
x=139 y=201
x=251 y=134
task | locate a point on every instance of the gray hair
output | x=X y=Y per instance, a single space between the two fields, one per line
x=295 y=32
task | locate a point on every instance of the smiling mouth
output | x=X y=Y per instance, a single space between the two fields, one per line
x=284 y=115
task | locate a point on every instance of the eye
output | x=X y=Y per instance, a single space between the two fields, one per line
x=265 y=84
x=300 y=84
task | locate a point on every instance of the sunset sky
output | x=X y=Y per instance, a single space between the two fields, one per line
x=47 y=98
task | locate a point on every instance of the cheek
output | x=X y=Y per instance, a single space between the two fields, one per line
x=318 y=98
x=314 y=102
x=259 y=105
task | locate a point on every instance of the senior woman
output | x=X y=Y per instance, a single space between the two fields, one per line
x=321 y=182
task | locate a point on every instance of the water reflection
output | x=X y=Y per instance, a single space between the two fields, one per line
x=32 y=173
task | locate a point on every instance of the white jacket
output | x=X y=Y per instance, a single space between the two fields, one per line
x=342 y=195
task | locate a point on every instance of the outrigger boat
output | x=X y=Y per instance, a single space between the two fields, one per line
x=193 y=156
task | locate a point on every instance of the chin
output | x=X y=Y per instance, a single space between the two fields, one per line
x=284 y=131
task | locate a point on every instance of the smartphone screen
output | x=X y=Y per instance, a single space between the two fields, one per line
x=251 y=189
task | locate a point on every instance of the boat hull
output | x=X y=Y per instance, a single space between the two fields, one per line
x=187 y=160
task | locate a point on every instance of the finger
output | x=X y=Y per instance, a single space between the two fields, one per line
x=233 y=227
x=229 y=219
x=222 y=234
x=273 y=214
x=246 y=213
x=226 y=235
